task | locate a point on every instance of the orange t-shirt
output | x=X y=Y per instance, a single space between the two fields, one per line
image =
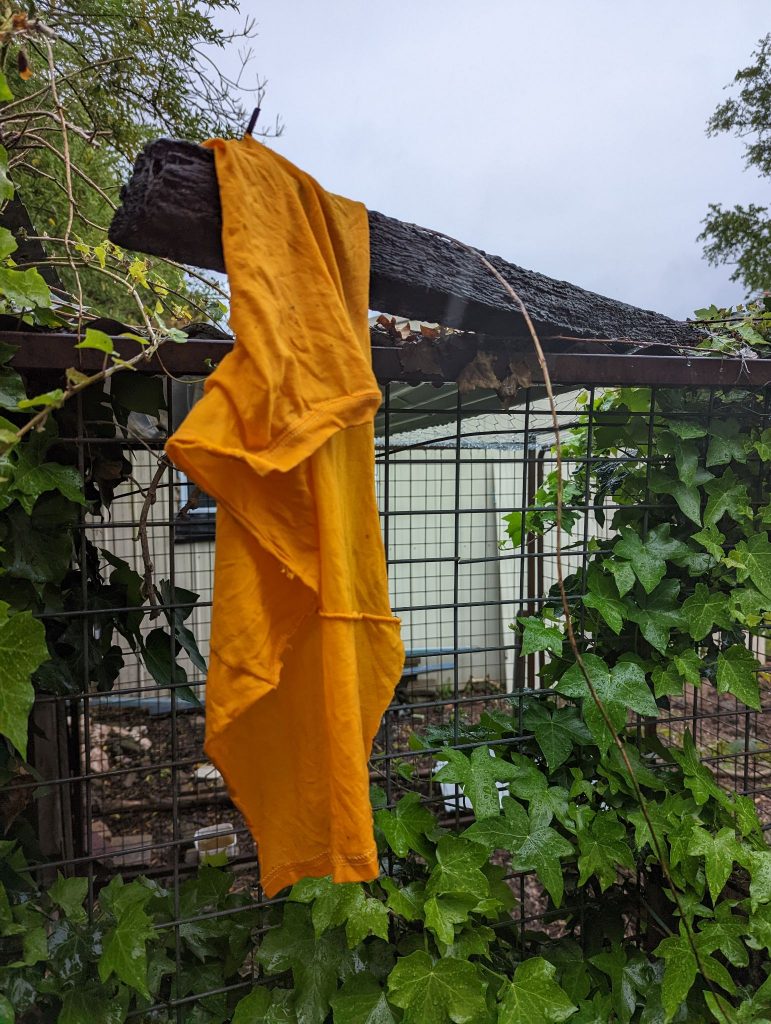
x=305 y=652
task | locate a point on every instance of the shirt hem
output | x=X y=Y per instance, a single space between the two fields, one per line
x=362 y=867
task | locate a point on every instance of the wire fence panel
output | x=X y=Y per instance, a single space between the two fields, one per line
x=128 y=788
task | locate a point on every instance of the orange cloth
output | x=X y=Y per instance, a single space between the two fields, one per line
x=305 y=652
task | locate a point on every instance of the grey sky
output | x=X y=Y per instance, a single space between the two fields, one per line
x=566 y=136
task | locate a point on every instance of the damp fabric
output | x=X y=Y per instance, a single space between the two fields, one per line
x=305 y=651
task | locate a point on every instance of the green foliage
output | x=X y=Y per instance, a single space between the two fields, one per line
x=739 y=236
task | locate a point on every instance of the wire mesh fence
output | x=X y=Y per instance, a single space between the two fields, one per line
x=124 y=785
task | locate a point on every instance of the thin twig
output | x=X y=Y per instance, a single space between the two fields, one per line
x=148 y=587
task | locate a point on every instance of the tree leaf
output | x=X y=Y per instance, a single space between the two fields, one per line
x=648 y=566
x=737 y=673
x=433 y=992
x=407 y=901
x=23 y=650
x=534 y=997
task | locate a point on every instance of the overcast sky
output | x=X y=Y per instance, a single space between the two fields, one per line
x=565 y=136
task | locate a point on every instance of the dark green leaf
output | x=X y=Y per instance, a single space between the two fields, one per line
x=23 y=649
x=361 y=1000
x=556 y=731
x=737 y=673
x=534 y=997
x=537 y=636
x=704 y=610
x=436 y=992
x=603 y=849
x=406 y=825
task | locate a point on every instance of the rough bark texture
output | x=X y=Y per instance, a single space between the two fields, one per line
x=171 y=208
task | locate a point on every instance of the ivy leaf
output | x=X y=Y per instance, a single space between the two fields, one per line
x=98 y=340
x=627 y=978
x=85 y=1004
x=687 y=496
x=727 y=496
x=69 y=894
x=704 y=610
x=726 y=443
x=753 y=559
x=479 y=776
x=534 y=997
x=622 y=573
x=603 y=849
x=621 y=689
x=556 y=731
x=537 y=636
x=30 y=480
x=265 y=1006
x=679 y=973
x=406 y=825
x=737 y=673
x=24 y=289
x=444 y=912
x=535 y=845
x=12 y=389
x=648 y=566
x=125 y=949
x=457 y=869
x=342 y=903
x=433 y=992
x=689 y=665
x=23 y=650
x=602 y=595
x=698 y=778
x=658 y=614
x=719 y=852
x=759 y=864
x=361 y=1000
x=407 y=901
x=712 y=539
x=48 y=399
x=315 y=963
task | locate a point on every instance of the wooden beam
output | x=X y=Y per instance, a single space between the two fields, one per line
x=170 y=207
x=51 y=351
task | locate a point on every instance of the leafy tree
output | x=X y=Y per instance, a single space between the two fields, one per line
x=741 y=235
x=86 y=86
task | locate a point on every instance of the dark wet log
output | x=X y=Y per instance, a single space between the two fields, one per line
x=170 y=207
